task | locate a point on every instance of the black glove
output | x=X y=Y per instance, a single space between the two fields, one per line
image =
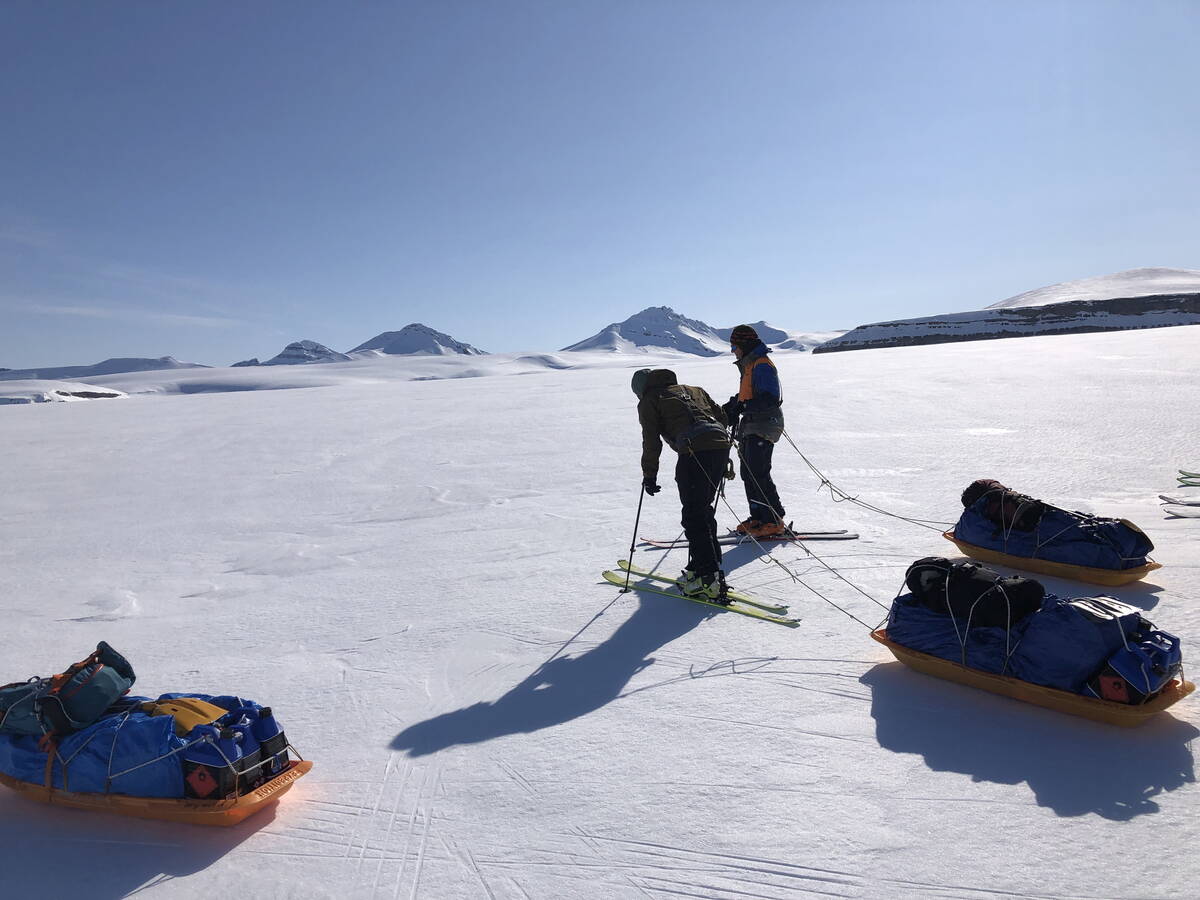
x=650 y=486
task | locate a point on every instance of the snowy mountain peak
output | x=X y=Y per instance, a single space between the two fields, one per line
x=304 y=352
x=657 y=327
x=1142 y=282
x=417 y=338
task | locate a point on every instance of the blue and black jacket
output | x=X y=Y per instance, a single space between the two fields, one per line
x=758 y=406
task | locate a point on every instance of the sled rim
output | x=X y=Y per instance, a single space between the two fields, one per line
x=1107 y=711
x=1090 y=574
x=226 y=812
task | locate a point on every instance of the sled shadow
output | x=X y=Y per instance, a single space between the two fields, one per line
x=60 y=852
x=565 y=687
x=1073 y=766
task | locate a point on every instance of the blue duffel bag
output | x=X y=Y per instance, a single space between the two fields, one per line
x=1067 y=642
x=997 y=518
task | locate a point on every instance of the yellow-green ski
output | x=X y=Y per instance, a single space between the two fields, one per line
x=735 y=606
x=777 y=608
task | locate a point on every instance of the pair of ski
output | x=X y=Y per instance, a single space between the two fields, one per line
x=740 y=603
x=733 y=538
x=1179 y=508
x=1184 y=506
x=1178 y=501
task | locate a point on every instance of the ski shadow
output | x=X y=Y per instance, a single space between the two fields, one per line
x=1073 y=766
x=68 y=852
x=564 y=687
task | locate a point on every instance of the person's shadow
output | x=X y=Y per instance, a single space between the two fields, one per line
x=564 y=687
x=1073 y=766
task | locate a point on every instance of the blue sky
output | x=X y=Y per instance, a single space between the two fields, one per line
x=214 y=180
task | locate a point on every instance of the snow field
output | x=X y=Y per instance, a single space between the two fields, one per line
x=407 y=570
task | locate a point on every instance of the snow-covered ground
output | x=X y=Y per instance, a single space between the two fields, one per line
x=403 y=560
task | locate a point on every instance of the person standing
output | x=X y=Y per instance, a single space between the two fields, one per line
x=694 y=426
x=755 y=414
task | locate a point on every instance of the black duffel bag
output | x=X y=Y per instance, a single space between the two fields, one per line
x=976 y=596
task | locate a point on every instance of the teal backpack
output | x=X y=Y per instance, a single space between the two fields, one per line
x=68 y=701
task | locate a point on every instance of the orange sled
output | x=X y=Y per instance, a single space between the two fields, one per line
x=194 y=812
x=1121 y=714
x=1109 y=577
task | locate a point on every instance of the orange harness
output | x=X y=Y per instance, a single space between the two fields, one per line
x=746 y=392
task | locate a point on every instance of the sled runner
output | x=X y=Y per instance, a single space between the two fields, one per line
x=1113 y=713
x=168 y=809
x=1090 y=574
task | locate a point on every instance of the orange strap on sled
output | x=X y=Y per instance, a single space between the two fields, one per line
x=51 y=748
x=57 y=681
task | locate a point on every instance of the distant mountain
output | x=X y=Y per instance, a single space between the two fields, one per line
x=1130 y=283
x=108 y=367
x=1137 y=298
x=769 y=333
x=658 y=327
x=300 y=353
x=417 y=338
x=780 y=339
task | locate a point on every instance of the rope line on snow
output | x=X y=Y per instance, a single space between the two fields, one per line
x=838 y=495
x=771 y=560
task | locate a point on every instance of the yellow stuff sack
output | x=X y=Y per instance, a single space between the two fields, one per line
x=188 y=712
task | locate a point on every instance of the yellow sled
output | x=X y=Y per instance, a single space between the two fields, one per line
x=194 y=812
x=1122 y=714
x=1090 y=574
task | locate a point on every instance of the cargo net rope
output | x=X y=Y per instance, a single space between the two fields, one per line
x=1013 y=511
x=770 y=559
x=246 y=777
x=982 y=594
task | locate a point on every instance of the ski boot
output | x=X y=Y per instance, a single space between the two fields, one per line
x=709 y=588
x=766 y=529
x=745 y=526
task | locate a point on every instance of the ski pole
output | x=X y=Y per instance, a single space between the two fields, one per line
x=633 y=541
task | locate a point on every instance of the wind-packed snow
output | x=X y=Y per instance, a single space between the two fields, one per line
x=45 y=391
x=1142 y=282
x=403 y=560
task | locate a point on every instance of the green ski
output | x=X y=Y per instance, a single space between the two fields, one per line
x=618 y=578
x=627 y=566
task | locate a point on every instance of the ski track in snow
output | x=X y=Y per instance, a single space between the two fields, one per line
x=414 y=586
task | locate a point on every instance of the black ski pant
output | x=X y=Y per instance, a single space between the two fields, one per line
x=698 y=474
x=761 y=493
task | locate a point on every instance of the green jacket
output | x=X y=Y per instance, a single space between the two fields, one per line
x=682 y=415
